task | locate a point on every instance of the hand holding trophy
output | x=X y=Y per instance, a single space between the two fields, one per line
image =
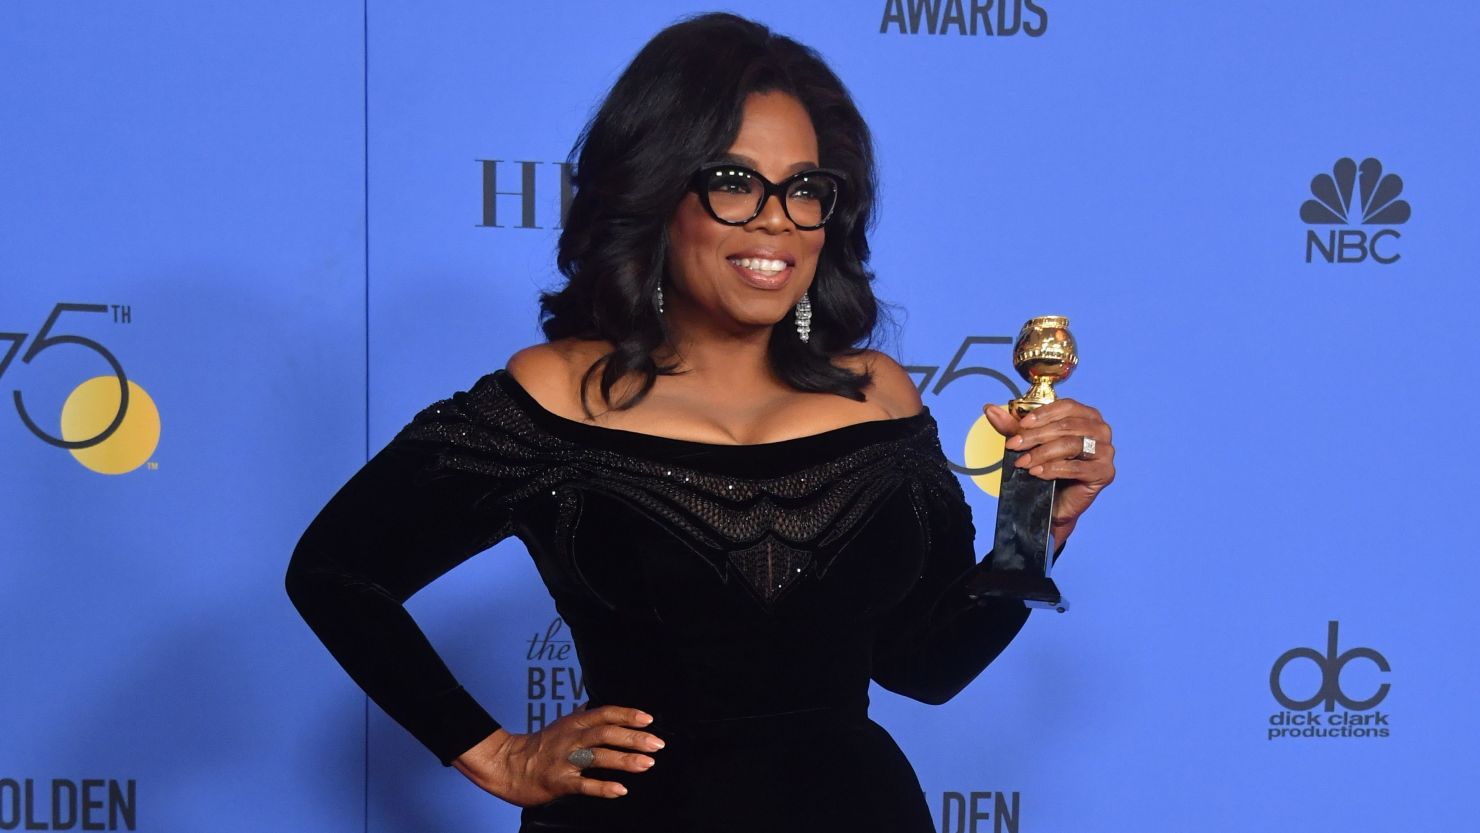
x=1024 y=540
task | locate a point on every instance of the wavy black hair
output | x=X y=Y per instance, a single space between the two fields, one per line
x=678 y=105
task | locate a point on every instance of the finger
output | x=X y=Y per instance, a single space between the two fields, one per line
x=627 y=761
x=1057 y=410
x=613 y=735
x=1062 y=448
x=1093 y=472
x=1005 y=423
x=623 y=715
x=599 y=789
x=1067 y=427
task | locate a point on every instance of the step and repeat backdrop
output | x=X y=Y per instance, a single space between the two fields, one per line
x=242 y=243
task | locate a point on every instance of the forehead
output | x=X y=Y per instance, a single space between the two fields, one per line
x=776 y=135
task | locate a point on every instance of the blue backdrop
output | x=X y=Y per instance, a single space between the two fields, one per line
x=288 y=226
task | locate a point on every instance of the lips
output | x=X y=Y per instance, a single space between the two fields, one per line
x=763 y=269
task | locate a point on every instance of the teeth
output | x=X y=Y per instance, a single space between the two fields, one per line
x=765 y=266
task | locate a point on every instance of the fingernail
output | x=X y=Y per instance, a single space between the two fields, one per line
x=995 y=410
x=656 y=743
x=621 y=790
x=647 y=763
x=1035 y=471
x=1015 y=442
x=1023 y=461
x=644 y=718
x=1030 y=419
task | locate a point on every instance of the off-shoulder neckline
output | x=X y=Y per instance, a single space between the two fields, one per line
x=866 y=432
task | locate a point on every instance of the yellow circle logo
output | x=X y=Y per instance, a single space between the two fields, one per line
x=92 y=407
x=984 y=447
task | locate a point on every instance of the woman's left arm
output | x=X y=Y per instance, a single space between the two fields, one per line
x=939 y=639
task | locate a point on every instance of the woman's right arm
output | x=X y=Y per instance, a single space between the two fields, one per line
x=401 y=521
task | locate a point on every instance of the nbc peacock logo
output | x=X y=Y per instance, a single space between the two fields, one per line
x=108 y=423
x=1377 y=204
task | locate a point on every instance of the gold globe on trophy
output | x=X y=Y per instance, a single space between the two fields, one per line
x=1045 y=353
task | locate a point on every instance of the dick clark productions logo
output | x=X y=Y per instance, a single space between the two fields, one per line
x=1357 y=718
x=1377 y=205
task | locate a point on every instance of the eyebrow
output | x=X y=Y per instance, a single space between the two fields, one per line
x=741 y=159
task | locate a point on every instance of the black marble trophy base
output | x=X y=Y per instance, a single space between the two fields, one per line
x=1022 y=548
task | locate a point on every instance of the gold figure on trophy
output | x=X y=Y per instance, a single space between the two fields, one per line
x=1044 y=354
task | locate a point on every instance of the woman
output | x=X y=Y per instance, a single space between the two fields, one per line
x=753 y=521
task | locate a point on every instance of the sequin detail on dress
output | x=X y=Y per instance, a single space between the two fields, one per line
x=750 y=527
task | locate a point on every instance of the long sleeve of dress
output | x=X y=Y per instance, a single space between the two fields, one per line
x=400 y=522
x=938 y=640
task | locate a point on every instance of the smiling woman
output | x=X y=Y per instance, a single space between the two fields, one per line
x=759 y=522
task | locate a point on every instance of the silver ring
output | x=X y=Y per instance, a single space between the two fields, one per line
x=583 y=757
x=1086 y=448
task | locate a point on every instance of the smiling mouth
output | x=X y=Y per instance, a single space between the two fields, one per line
x=764 y=266
x=762 y=272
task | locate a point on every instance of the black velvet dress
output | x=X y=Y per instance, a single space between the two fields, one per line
x=744 y=595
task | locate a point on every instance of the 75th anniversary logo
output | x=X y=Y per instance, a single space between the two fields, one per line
x=983 y=447
x=109 y=423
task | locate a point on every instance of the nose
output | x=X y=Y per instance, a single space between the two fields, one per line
x=772 y=218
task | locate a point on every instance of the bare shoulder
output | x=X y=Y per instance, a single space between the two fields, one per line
x=544 y=371
x=892 y=386
x=551 y=372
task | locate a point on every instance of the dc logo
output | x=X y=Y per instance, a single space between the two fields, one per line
x=1377 y=205
x=1331 y=665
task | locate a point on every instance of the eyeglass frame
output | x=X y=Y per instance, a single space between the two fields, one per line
x=778 y=189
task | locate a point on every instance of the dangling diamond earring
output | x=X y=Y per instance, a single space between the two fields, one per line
x=804 y=317
x=660 y=299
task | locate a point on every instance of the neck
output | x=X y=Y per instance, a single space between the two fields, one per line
x=731 y=358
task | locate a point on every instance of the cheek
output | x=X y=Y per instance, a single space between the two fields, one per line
x=691 y=235
x=814 y=242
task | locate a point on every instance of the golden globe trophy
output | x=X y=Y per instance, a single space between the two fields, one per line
x=1023 y=545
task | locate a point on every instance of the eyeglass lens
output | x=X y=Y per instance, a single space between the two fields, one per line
x=735 y=195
